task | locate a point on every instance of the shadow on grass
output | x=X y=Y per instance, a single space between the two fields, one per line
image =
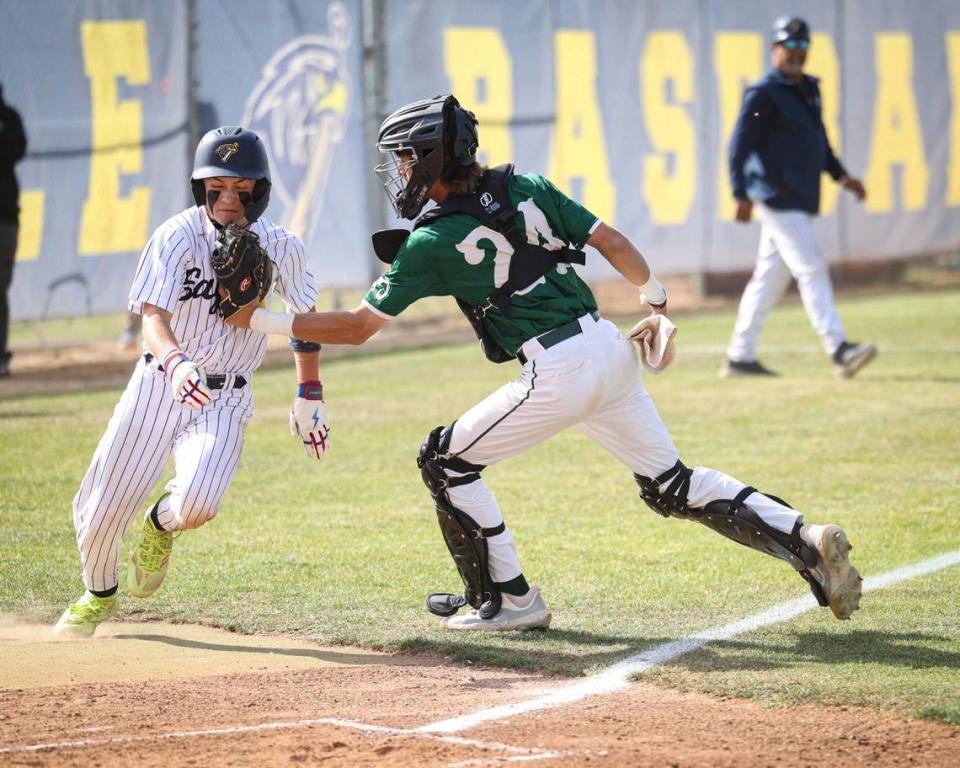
x=889 y=649
x=580 y=653
x=577 y=654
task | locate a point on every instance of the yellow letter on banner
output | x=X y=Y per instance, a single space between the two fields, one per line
x=667 y=58
x=579 y=147
x=953 y=163
x=111 y=223
x=481 y=75
x=823 y=63
x=896 y=138
x=738 y=59
x=31 y=225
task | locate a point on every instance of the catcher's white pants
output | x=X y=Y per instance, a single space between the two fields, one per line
x=788 y=246
x=592 y=380
x=147 y=424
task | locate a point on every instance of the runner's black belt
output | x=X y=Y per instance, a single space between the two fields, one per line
x=214 y=380
x=554 y=337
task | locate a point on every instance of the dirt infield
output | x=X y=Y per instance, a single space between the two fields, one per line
x=154 y=694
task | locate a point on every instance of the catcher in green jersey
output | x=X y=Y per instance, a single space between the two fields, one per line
x=504 y=246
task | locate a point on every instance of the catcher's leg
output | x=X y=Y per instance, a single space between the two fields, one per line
x=767 y=524
x=465 y=539
x=629 y=426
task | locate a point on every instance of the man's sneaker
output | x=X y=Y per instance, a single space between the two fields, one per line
x=840 y=581
x=731 y=369
x=82 y=617
x=150 y=560
x=516 y=613
x=851 y=357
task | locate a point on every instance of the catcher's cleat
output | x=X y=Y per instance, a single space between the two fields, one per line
x=532 y=614
x=841 y=583
x=82 y=617
x=150 y=560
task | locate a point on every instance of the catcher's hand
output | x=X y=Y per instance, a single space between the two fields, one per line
x=308 y=420
x=187 y=380
x=243 y=269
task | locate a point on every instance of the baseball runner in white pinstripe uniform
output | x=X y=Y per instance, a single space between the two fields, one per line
x=191 y=392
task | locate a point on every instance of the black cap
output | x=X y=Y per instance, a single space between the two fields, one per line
x=790 y=28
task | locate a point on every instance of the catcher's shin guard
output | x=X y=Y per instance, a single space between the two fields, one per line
x=733 y=518
x=465 y=539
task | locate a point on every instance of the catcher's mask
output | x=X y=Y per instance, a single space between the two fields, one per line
x=233 y=151
x=426 y=140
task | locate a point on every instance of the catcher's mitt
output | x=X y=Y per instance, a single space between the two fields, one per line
x=242 y=267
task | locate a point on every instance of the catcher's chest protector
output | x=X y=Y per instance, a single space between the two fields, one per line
x=490 y=205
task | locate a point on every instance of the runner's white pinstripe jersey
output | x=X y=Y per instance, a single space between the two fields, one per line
x=174 y=274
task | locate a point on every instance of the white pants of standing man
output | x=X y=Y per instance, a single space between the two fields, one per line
x=788 y=248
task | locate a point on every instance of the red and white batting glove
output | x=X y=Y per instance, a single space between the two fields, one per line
x=187 y=380
x=308 y=419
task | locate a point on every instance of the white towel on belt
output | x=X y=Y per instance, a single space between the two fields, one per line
x=654 y=335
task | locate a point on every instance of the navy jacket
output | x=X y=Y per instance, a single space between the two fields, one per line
x=779 y=146
x=13 y=145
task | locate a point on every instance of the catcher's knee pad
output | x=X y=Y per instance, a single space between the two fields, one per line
x=464 y=537
x=733 y=518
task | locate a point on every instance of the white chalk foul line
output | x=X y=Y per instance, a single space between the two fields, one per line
x=520 y=753
x=617 y=676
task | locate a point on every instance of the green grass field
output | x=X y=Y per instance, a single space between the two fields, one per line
x=344 y=552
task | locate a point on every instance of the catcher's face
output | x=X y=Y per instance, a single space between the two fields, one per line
x=228 y=198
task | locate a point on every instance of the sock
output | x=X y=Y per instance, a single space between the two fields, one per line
x=104 y=593
x=516 y=586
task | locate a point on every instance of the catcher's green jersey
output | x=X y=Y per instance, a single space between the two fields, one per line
x=456 y=255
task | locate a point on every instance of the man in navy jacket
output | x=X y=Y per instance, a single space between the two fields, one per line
x=778 y=150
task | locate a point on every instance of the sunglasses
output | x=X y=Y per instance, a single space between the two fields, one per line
x=792 y=45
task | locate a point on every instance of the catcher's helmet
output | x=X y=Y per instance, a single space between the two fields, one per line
x=790 y=28
x=233 y=151
x=441 y=136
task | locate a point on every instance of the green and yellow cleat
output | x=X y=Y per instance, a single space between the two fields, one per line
x=82 y=617
x=150 y=560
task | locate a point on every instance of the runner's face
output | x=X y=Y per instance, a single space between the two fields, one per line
x=227 y=198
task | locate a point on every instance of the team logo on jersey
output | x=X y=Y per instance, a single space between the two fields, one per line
x=226 y=151
x=381 y=288
x=300 y=108
x=196 y=287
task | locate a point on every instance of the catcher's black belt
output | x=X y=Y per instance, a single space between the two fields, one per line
x=214 y=380
x=554 y=337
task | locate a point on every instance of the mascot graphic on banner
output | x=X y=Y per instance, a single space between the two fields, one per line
x=299 y=108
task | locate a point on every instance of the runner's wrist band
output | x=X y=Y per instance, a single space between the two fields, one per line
x=310 y=390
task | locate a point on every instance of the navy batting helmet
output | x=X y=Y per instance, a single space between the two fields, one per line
x=790 y=28
x=440 y=135
x=233 y=151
